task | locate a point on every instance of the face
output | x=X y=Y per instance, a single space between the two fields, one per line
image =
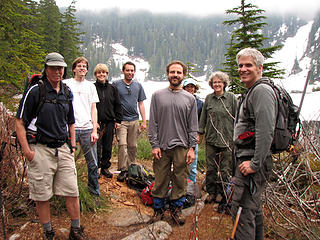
x=190 y=88
x=128 y=72
x=54 y=73
x=101 y=76
x=248 y=71
x=218 y=86
x=175 y=75
x=81 y=69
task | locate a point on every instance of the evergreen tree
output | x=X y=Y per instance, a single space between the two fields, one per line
x=20 y=51
x=50 y=23
x=70 y=36
x=248 y=33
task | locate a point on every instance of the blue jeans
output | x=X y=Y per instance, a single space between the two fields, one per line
x=193 y=166
x=90 y=154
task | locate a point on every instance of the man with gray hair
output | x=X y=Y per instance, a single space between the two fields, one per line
x=253 y=135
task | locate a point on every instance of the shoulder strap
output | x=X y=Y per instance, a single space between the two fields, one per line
x=42 y=96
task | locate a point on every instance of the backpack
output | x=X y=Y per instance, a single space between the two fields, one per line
x=146 y=195
x=287 y=120
x=37 y=79
x=138 y=177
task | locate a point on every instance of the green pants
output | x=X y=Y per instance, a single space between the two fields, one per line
x=218 y=168
x=178 y=176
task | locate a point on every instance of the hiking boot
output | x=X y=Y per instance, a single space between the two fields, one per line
x=106 y=173
x=122 y=176
x=77 y=234
x=158 y=215
x=48 y=235
x=210 y=198
x=177 y=216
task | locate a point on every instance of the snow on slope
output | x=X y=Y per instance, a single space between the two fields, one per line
x=294 y=48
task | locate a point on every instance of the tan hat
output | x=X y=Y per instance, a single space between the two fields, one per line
x=55 y=59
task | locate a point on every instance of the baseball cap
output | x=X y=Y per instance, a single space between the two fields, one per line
x=55 y=59
x=189 y=81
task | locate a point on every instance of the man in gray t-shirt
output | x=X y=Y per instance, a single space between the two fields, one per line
x=173 y=127
x=132 y=96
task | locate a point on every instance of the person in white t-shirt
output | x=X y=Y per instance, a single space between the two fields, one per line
x=85 y=98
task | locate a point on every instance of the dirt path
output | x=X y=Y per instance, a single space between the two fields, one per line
x=97 y=224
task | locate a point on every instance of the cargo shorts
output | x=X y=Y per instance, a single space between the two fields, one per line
x=52 y=171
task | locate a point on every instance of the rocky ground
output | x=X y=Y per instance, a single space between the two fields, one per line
x=123 y=217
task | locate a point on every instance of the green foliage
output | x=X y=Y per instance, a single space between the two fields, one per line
x=316 y=89
x=144 y=148
x=29 y=30
x=248 y=33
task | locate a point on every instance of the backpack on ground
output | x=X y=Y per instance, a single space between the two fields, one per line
x=138 y=177
x=146 y=195
x=287 y=120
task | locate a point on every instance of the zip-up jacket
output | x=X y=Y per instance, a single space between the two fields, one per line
x=109 y=108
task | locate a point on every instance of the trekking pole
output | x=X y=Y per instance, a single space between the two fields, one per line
x=236 y=223
x=3 y=145
x=304 y=92
x=194 y=231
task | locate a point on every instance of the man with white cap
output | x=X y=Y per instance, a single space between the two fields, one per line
x=51 y=166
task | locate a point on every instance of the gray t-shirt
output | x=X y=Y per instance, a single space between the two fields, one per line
x=130 y=95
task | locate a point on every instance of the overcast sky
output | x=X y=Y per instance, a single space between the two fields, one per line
x=198 y=7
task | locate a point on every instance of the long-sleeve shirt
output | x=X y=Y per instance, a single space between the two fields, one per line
x=173 y=119
x=109 y=107
x=217 y=119
x=262 y=108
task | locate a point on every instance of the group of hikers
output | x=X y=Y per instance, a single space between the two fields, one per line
x=76 y=110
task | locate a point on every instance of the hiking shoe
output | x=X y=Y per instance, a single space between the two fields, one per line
x=77 y=234
x=158 y=215
x=48 y=235
x=106 y=173
x=177 y=216
x=210 y=198
x=122 y=176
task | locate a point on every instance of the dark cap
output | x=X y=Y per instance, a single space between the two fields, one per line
x=55 y=59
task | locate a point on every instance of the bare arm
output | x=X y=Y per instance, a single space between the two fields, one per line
x=22 y=137
x=72 y=135
x=94 y=119
x=142 y=111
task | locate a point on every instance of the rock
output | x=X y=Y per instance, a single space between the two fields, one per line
x=126 y=217
x=158 y=230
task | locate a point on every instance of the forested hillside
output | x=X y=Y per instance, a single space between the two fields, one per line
x=161 y=38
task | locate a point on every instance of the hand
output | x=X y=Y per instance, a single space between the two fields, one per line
x=156 y=152
x=245 y=168
x=30 y=155
x=198 y=138
x=143 y=126
x=117 y=125
x=190 y=156
x=94 y=137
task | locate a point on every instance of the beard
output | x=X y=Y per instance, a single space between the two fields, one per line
x=175 y=82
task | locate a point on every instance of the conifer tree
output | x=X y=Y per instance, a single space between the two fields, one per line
x=50 y=20
x=248 y=33
x=20 y=51
x=70 y=36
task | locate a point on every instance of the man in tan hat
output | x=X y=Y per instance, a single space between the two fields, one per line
x=51 y=166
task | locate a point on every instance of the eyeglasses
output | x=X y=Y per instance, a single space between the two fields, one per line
x=129 y=89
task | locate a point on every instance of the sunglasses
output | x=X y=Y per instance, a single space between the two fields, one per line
x=129 y=89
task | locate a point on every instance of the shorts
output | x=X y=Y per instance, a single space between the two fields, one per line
x=52 y=172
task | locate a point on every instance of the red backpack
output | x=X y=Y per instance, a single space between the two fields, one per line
x=146 y=195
